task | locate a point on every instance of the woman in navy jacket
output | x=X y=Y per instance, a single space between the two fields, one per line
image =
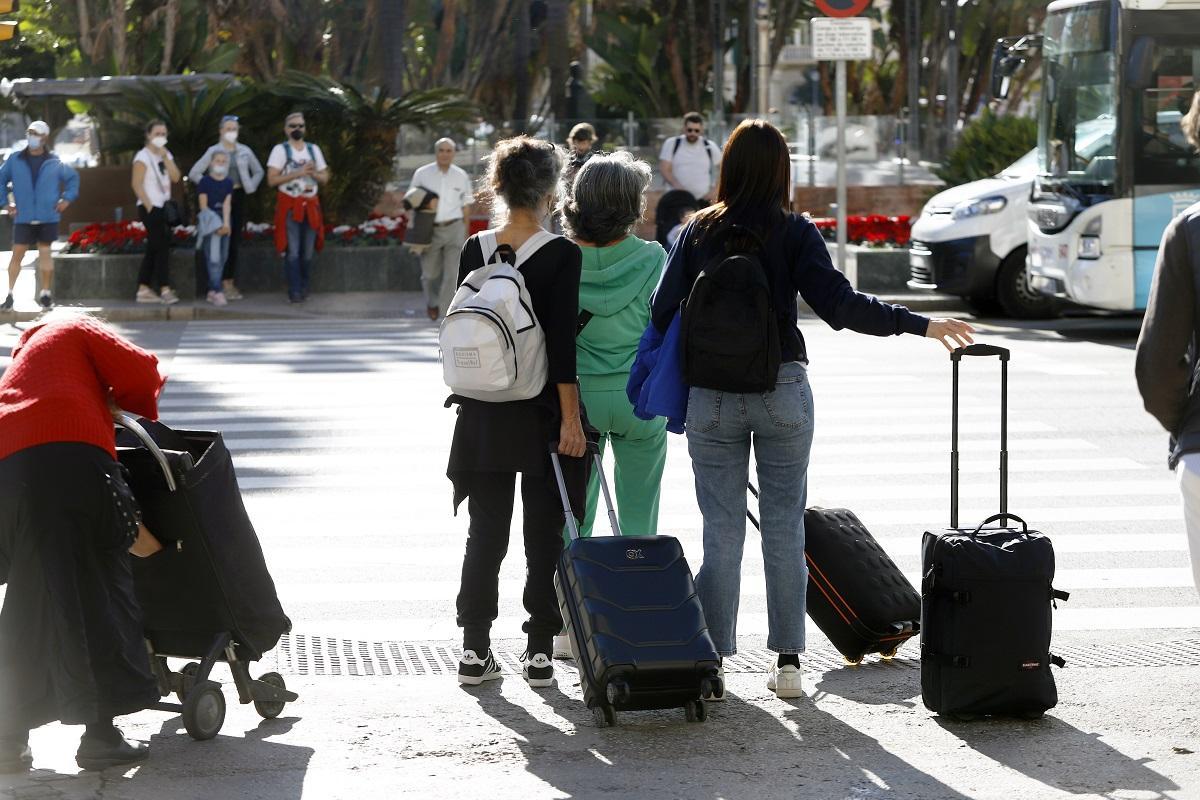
x=753 y=192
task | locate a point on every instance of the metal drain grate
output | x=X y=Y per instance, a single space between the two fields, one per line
x=299 y=654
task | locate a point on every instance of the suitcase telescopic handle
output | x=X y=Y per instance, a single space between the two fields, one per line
x=955 y=357
x=130 y=423
x=572 y=525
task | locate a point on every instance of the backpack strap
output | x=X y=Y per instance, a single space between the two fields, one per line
x=708 y=148
x=533 y=244
x=675 y=149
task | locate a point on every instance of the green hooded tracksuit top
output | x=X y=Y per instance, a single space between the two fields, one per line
x=615 y=286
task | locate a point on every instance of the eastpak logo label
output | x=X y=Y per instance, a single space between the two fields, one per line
x=1030 y=665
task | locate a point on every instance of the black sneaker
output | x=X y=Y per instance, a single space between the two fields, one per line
x=15 y=756
x=473 y=671
x=7 y=304
x=101 y=753
x=538 y=669
x=45 y=300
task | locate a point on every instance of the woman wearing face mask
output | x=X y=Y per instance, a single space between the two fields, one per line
x=246 y=173
x=215 y=192
x=154 y=171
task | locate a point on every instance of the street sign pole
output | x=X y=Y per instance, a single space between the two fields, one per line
x=840 y=91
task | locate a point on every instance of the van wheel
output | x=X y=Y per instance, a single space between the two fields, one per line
x=1014 y=294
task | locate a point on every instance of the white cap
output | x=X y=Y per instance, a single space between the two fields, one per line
x=39 y=127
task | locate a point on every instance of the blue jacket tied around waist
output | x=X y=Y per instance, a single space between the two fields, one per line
x=36 y=203
x=656 y=387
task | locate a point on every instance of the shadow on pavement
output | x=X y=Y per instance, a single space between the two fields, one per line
x=227 y=766
x=1060 y=755
x=875 y=683
x=742 y=751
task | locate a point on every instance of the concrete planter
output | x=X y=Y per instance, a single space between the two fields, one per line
x=389 y=268
x=875 y=270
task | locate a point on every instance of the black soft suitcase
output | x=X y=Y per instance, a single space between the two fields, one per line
x=635 y=622
x=856 y=594
x=986 y=602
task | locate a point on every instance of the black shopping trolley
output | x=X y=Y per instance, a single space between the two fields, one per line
x=207 y=595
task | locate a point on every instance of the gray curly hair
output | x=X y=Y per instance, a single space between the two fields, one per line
x=607 y=198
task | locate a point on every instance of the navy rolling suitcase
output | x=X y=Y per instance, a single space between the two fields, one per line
x=856 y=594
x=635 y=622
x=986 y=599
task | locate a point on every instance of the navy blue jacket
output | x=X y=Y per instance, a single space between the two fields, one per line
x=797 y=261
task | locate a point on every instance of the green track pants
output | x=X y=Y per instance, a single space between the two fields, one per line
x=640 y=451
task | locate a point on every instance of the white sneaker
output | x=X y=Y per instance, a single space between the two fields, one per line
x=562 y=646
x=473 y=670
x=538 y=669
x=219 y=299
x=212 y=297
x=146 y=295
x=785 y=681
x=168 y=297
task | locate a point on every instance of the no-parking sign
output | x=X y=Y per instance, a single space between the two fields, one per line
x=842 y=8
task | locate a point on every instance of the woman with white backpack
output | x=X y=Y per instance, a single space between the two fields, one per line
x=516 y=283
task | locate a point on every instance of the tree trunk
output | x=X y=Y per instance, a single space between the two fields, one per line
x=119 y=25
x=678 y=74
x=558 y=51
x=170 y=23
x=87 y=45
x=692 y=100
x=391 y=17
x=445 y=46
x=520 y=65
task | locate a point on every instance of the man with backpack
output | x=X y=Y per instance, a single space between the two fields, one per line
x=298 y=170
x=687 y=161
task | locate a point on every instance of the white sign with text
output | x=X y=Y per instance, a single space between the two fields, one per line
x=848 y=39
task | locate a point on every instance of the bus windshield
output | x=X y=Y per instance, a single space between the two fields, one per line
x=1162 y=154
x=1076 y=136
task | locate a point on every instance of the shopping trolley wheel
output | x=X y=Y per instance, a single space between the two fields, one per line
x=186 y=679
x=270 y=709
x=204 y=710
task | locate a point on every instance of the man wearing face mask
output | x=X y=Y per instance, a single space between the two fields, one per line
x=298 y=170
x=246 y=173
x=439 y=261
x=42 y=188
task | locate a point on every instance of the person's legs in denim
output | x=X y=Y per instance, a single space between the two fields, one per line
x=783 y=431
x=718 y=436
x=306 y=256
x=295 y=233
x=215 y=249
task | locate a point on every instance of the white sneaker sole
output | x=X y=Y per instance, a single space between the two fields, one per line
x=539 y=683
x=467 y=680
x=788 y=693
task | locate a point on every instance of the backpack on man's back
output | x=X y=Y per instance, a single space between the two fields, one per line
x=729 y=327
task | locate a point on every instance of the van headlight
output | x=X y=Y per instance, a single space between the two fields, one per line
x=980 y=207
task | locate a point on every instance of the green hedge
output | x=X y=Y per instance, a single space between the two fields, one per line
x=987 y=145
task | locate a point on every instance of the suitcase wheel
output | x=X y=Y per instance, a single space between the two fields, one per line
x=270 y=709
x=618 y=692
x=852 y=662
x=695 y=711
x=604 y=715
x=712 y=687
x=890 y=654
x=186 y=679
x=204 y=710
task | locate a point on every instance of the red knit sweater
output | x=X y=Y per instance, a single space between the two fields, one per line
x=57 y=387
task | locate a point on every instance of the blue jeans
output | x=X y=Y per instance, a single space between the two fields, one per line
x=216 y=251
x=298 y=262
x=720 y=429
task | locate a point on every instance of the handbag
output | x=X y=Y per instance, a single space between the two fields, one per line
x=172 y=214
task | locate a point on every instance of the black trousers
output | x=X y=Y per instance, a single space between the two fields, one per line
x=237 y=221
x=491 y=508
x=154 y=272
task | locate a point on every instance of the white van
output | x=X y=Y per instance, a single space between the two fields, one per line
x=971 y=241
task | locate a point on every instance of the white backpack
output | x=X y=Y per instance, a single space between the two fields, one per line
x=491 y=345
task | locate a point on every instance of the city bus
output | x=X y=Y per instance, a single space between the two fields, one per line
x=1099 y=205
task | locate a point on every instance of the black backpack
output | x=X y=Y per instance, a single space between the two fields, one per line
x=729 y=327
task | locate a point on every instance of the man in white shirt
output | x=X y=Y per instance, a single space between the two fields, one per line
x=439 y=261
x=687 y=161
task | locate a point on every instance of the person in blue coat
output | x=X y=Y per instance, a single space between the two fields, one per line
x=42 y=187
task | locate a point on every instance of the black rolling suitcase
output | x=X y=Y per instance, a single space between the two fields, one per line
x=856 y=595
x=987 y=599
x=636 y=625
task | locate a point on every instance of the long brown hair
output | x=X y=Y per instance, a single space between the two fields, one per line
x=755 y=175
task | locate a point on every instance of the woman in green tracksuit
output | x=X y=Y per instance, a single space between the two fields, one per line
x=620 y=272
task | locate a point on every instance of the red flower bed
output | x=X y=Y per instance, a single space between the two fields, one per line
x=873 y=230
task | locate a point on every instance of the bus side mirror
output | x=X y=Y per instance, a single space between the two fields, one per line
x=1004 y=64
x=1139 y=70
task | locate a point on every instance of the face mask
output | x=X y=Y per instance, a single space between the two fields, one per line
x=230 y=136
x=219 y=172
x=34 y=142
x=297 y=135
x=159 y=141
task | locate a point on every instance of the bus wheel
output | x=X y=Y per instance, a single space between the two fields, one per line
x=1014 y=294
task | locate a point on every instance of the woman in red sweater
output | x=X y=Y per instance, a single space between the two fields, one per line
x=71 y=646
